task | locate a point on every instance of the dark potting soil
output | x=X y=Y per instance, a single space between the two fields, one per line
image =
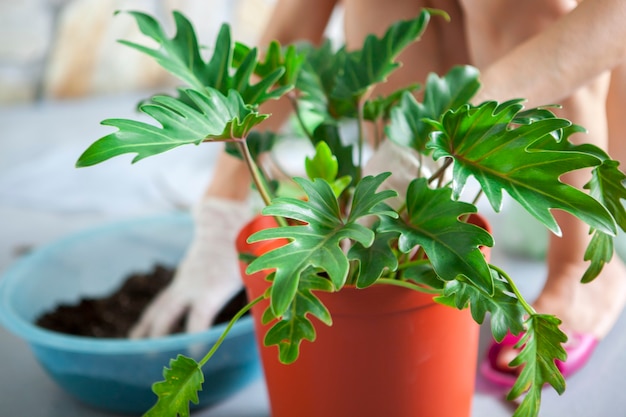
x=112 y=316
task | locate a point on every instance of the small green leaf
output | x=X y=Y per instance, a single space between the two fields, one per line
x=375 y=259
x=408 y=126
x=323 y=164
x=379 y=108
x=599 y=251
x=329 y=133
x=295 y=326
x=182 y=382
x=506 y=312
x=376 y=60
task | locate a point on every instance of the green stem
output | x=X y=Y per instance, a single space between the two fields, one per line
x=419 y=261
x=257 y=178
x=232 y=322
x=529 y=309
x=402 y=283
x=254 y=172
x=294 y=102
x=361 y=135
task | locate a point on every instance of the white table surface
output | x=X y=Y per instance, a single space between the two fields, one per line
x=42 y=198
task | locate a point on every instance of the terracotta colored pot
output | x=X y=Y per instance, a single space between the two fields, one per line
x=391 y=351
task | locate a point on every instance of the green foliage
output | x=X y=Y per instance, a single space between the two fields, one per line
x=341 y=231
x=324 y=165
x=452 y=246
x=506 y=313
x=181 y=56
x=409 y=126
x=289 y=331
x=541 y=344
x=213 y=118
x=316 y=242
x=483 y=143
x=182 y=382
x=376 y=60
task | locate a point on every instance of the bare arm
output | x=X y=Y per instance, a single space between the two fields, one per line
x=552 y=65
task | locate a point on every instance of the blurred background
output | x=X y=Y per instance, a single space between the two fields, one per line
x=62 y=72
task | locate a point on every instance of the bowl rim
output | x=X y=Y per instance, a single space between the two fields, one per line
x=35 y=335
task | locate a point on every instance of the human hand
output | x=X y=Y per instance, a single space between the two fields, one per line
x=207 y=277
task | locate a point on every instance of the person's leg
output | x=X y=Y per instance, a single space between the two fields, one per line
x=495 y=27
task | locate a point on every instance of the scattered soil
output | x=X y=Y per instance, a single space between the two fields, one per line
x=113 y=316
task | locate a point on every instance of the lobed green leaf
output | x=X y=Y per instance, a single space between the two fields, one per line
x=484 y=144
x=212 y=117
x=451 y=245
x=316 y=243
x=540 y=346
x=182 y=382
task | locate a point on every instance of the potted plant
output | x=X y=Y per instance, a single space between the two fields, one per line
x=341 y=235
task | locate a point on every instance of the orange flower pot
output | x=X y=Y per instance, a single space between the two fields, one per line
x=391 y=351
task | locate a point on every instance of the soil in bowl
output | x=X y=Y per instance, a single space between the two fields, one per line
x=113 y=315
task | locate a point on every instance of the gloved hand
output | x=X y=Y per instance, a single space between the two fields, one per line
x=207 y=277
x=404 y=166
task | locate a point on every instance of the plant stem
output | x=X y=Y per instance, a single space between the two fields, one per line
x=254 y=172
x=361 y=134
x=439 y=173
x=529 y=309
x=232 y=322
x=257 y=178
x=294 y=102
x=401 y=283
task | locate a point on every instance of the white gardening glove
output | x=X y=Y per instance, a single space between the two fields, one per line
x=207 y=277
x=404 y=165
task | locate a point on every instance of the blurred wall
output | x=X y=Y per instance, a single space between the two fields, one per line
x=55 y=49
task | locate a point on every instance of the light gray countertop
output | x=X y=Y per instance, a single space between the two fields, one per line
x=43 y=198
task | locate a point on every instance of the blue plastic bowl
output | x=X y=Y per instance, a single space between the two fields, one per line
x=117 y=374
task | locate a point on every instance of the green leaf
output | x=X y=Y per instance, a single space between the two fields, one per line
x=422 y=273
x=213 y=117
x=408 y=127
x=506 y=312
x=324 y=165
x=329 y=133
x=450 y=244
x=376 y=60
x=379 y=108
x=316 y=243
x=182 y=382
x=541 y=346
x=375 y=259
x=295 y=326
x=180 y=56
x=485 y=144
x=291 y=59
x=599 y=251
x=607 y=186
x=317 y=78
